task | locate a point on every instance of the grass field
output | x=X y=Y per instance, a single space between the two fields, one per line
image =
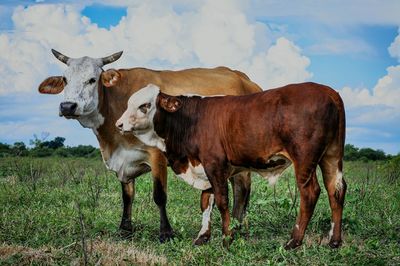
x=67 y=211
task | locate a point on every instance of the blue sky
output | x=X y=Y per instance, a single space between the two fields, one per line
x=353 y=48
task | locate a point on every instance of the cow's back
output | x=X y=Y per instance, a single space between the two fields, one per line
x=294 y=114
x=201 y=81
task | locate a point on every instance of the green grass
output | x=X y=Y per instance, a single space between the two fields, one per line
x=47 y=206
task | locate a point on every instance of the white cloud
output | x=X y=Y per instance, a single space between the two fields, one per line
x=281 y=64
x=394 y=48
x=374 y=115
x=333 y=46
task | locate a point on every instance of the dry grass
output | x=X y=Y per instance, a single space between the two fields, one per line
x=26 y=255
x=100 y=253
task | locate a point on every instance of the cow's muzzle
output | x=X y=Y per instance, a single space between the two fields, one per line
x=68 y=109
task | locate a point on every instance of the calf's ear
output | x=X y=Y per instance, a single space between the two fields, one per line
x=170 y=104
x=52 y=85
x=110 y=77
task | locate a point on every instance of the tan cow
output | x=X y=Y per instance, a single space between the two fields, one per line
x=97 y=98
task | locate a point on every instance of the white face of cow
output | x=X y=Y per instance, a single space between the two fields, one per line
x=138 y=117
x=80 y=84
x=81 y=81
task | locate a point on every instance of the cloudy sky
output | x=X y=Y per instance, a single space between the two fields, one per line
x=352 y=46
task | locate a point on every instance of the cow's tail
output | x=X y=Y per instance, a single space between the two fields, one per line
x=332 y=161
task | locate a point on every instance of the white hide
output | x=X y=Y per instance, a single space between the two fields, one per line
x=79 y=90
x=127 y=162
x=141 y=124
x=339 y=180
x=196 y=177
x=205 y=223
x=331 y=231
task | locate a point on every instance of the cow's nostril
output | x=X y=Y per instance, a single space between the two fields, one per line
x=68 y=108
x=120 y=125
x=73 y=107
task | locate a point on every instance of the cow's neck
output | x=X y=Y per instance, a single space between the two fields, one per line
x=93 y=120
x=177 y=127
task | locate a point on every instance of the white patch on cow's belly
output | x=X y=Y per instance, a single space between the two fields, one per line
x=127 y=162
x=196 y=177
x=272 y=174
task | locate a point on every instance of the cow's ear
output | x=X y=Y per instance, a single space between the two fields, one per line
x=110 y=77
x=170 y=104
x=52 y=85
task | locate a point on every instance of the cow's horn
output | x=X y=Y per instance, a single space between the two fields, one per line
x=60 y=56
x=111 y=58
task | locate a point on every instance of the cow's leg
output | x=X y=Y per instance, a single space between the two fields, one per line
x=336 y=187
x=128 y=194
x=206 y=204
x=309 y=192
x=241 y=184
x=158 y=165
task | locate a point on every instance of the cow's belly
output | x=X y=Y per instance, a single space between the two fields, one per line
x=272 y=170
x=128 y=163
x=196 y=177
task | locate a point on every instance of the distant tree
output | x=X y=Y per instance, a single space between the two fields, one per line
x=5 y=149
x=371 y=154
x=58 y=142
x=19 y=149
x=351 y=152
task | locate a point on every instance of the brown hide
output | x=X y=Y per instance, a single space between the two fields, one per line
x=113 y=100
x=301 y=123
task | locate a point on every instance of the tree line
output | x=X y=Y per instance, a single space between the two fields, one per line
x=40 y=147
x=47 y=148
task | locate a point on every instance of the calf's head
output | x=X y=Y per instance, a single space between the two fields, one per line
x=80 y=83
x=142 y=107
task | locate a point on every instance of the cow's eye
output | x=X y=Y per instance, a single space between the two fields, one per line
x=65 y=80
x=91 y=81
x=144 y=107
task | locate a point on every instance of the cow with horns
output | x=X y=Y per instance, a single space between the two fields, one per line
x=97 y=98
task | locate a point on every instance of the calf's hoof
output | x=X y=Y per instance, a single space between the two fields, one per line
x=166 y=236
x=334 y=243
x=292 y=244
x=227 y=241
x=201 y=240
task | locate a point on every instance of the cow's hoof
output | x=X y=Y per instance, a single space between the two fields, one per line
x=292 y=244
x=166 y=236
x=126 y=229
x=201 y=240
x=334 y=244
x=126 y=226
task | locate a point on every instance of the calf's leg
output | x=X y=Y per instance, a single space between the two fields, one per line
x=309 y=193
x=336 y=188
x=206 y=204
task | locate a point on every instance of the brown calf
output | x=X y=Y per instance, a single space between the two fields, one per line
x=265 y=132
